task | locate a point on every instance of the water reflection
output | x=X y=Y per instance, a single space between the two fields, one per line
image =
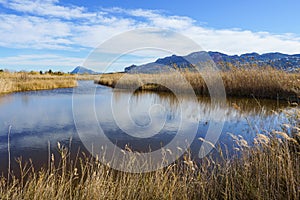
x=43 y=117
x=244 y=105
x=245 y=117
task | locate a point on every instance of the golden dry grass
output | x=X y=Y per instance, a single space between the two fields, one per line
x=258 y=83
x=23 y=81
x=86 y=76
x=270 y=169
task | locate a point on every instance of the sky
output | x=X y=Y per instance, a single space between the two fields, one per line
x=62 y=34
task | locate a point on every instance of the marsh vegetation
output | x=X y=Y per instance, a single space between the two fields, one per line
x=259 y=83
x=28 y=81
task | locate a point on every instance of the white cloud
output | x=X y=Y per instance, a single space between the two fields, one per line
x=49 y=25
x=47 y=8
x=239 y=41
x=34 y=32
x=57 y=62
x=92 y=35
x=156 y=19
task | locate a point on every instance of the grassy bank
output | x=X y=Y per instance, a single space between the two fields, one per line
x=259 y=83
x=23 y=81
x=269 y=169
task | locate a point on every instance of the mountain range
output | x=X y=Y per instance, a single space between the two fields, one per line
x=223 y=61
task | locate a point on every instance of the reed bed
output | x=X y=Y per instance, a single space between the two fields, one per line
x=86 y=76
x=259 y=83
x=267 y=169
x=25 y=81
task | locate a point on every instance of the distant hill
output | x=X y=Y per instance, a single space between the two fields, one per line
x=83 y=70
x=223 y=62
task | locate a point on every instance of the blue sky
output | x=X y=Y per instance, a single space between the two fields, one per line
x=274 y=16
x=60 y=34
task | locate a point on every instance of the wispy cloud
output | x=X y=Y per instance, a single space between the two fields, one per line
x=34 y=32
x=157 y=19
x=49 y=25
x=47 y=8
x=42 y=61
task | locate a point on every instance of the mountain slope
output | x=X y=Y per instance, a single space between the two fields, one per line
x=223 y=61
x=82 y=70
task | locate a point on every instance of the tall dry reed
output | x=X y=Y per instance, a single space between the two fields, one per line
x=23 y=81
x=259 y=83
